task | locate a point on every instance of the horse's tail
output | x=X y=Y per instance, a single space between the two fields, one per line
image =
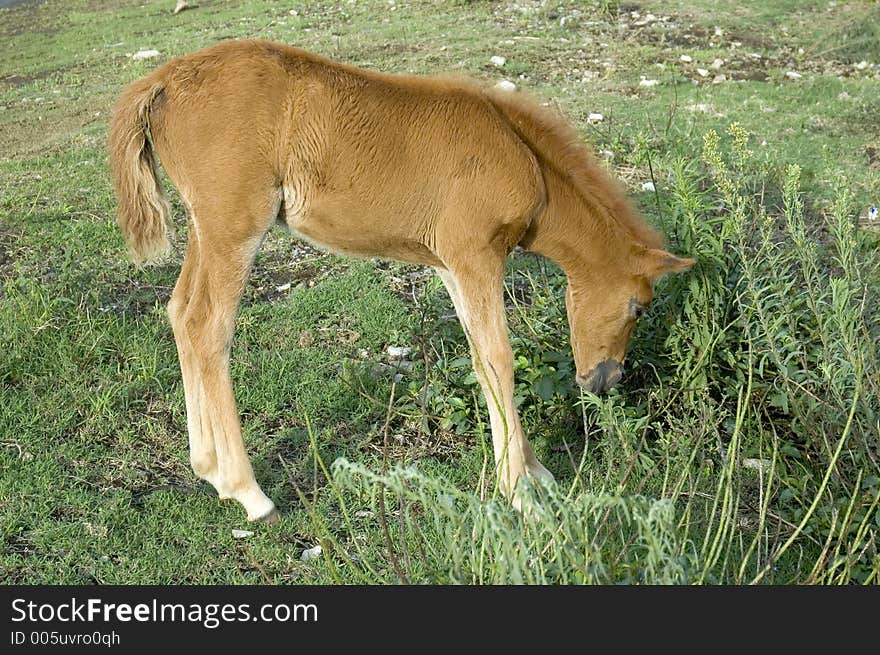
x=142 y=211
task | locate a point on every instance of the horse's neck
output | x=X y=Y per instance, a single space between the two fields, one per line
x=572 y=232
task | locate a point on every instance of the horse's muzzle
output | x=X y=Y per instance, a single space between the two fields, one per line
x=603 y=377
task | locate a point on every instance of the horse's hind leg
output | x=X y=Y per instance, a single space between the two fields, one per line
x=228 y=233
x=202 y=453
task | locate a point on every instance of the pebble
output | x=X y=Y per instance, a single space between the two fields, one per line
x=398 y=352
x=311 y=553
x=505 y=85
x=648 y=186
x=595 y=118
x=145 y=54
x=498 y=60
x=793 y=75
x=648 y=83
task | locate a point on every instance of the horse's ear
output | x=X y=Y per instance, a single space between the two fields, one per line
x=656 y=262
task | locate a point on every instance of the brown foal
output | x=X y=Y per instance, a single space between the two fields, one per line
x=434 y=171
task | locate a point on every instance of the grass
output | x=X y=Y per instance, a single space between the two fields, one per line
x=742 y=447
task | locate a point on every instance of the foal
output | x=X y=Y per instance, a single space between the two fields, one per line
x=430 y=171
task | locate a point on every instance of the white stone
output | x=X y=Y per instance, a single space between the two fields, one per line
x=505 y=85
x=793 y=75
x=702 y=72
x=398 y=352
x=648 y=83
x=311 y=553
x=686 y=59
x=595 y=118
x=716 y=64
x=498 y=60
x=145 y=54
x=648 y=186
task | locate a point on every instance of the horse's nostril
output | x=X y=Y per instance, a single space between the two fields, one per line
x=614 y=378
x=604 y=376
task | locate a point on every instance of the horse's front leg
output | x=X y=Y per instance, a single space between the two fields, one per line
x=476 y=290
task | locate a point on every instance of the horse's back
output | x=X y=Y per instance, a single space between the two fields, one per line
x=357 y=153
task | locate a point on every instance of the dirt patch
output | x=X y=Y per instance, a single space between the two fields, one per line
x=283 y=265
x=27 y=16
x=16 y=81
x=8 y=237
x=133 y=297
x=9 y=4
x=407 y=442
x=872 y=155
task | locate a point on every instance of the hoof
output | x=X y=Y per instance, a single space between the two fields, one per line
x=539 y=472
x=535 y=473
x=270 y=518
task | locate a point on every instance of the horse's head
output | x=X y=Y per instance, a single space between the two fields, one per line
x=603 y=307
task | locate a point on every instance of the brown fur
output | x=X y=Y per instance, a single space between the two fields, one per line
x=434 y=171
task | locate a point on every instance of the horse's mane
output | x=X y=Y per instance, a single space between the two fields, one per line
x=558 y=145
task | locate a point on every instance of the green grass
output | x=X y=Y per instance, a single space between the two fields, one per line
x=742 y=446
